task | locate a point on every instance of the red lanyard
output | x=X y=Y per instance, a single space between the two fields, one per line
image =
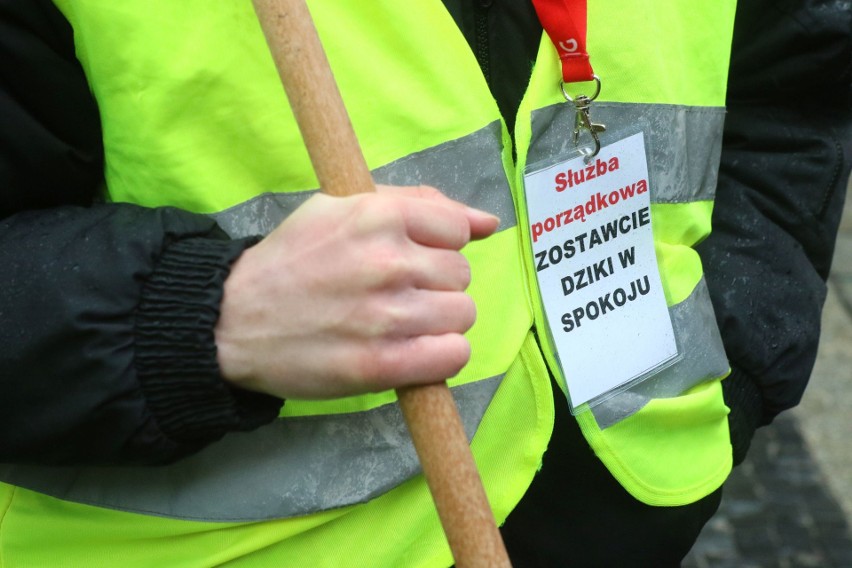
x=565 y=23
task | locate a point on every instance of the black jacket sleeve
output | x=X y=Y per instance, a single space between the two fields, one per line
x=107 y=311
x=785 y=163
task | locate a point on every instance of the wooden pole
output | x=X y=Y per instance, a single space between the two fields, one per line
x=430 y=411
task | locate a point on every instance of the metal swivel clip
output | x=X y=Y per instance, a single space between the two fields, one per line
x=583 y=121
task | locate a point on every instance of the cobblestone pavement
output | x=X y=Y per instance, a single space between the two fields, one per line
x=777 y=510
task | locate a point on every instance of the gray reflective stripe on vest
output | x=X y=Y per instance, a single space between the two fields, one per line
x=303 y=465
x=468 y=169
x=683 y=143
x=292 y=467
x=702 y=358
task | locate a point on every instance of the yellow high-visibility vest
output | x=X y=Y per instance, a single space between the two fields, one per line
x=194 y=116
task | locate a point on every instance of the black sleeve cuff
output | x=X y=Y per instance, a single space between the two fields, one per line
x=176 y=351
x=746 y=403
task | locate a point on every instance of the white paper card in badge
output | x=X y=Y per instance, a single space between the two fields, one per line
x=593 y=250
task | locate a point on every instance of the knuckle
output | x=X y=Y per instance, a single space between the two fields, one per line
x=389 y=266
x=452 y=271
x=460 y=311
x=459 y=228
x=462 y=271
x=429 y=192
x=455 y=354
x=387 y=319
x=468 y=313
x=376 y=213
x=376 y=366
x=362 y=368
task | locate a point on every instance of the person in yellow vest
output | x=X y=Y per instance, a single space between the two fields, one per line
x=198 y=349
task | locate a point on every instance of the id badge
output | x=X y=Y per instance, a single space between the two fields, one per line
x=593 y=252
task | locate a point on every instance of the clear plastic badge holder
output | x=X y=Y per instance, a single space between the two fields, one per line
x=596 y=267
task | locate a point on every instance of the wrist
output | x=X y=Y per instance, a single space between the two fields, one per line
x=176 y=355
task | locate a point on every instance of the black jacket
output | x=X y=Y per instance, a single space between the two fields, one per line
x=107 y=310
x=782 y=183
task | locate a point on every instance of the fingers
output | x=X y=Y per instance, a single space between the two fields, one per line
x=432 y=219
x=438 y=269
x=482 y=224
x=435 y=223
x=353 y=294
x=413 y=313
x=418 y=360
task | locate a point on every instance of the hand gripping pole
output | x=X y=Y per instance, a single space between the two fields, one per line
x=429 y=411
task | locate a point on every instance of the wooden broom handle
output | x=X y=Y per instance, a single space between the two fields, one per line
x=430 y=411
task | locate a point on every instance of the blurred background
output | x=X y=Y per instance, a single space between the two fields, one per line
x=790 y=503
